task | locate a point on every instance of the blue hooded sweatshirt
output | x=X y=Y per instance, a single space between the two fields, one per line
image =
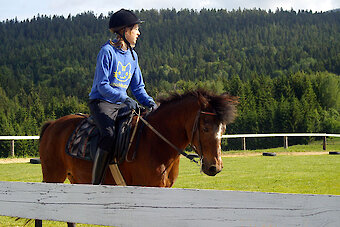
x=115 y=72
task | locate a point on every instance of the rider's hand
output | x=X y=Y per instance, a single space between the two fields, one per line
x=130 y=103
x=153 y=106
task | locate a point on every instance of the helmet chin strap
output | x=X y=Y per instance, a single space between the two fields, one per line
x=127 y=43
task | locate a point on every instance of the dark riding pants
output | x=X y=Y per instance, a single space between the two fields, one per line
x=104 y=115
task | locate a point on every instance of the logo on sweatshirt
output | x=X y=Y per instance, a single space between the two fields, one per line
x=123 y=73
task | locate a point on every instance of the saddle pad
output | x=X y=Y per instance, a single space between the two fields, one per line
x=83 y=141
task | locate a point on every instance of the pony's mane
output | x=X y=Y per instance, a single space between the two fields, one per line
x=223 y=105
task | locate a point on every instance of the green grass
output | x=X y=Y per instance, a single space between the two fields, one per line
x=311 y=174
x=317 y=174
x=24 y=172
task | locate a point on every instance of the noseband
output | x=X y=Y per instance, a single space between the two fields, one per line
x=195 y=128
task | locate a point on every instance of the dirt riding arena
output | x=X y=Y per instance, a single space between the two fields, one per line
x=14 y=160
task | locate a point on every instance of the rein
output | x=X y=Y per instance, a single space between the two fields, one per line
x=194 y=129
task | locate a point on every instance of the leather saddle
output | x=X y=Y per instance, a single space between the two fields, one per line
x=83 y=142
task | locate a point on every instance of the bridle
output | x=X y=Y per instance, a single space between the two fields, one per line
x=195 y=129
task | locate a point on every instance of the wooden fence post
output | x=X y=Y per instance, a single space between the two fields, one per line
x=244 y=143
x=12 y=148
x=285 y=142
x=324 y=143
x=38 y=223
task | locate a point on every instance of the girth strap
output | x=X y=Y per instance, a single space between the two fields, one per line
x=117 y=176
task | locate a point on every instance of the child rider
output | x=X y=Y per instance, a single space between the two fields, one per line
x=117 y=69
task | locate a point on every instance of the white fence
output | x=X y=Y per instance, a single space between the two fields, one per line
x=13 y=138
x=141 y=206
x=284 y=135
x=243 y=136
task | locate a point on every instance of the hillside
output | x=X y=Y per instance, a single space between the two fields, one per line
x=284 y=65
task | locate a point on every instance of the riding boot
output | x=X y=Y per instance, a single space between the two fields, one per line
x=99 y=166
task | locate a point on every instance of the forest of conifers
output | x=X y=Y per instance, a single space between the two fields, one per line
x=284 y=66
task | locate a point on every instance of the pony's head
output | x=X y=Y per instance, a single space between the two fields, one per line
x=211 y=115
x=216 y=111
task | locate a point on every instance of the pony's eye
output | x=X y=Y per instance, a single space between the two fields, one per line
x=205 y=129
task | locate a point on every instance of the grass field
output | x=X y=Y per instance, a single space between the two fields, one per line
x=310 y=174
x=319 y=174
x=316 y=174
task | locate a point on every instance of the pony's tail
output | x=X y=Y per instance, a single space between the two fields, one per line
x=43 y=128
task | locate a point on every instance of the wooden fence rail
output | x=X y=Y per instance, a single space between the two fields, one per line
x=243 y=136
x=140 y=206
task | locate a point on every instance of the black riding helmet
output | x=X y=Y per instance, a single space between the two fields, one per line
x=122 y=19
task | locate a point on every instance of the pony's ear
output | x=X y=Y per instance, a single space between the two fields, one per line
x=203 y=101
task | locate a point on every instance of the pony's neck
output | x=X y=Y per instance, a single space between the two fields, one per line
x=175 y=120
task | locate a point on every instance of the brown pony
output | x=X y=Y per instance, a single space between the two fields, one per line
x=196 y=117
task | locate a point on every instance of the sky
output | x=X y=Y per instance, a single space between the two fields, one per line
x=27 y=9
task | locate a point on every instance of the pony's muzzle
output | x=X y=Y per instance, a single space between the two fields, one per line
x=211 y=170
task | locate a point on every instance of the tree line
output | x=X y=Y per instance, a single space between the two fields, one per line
x=284 y=66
